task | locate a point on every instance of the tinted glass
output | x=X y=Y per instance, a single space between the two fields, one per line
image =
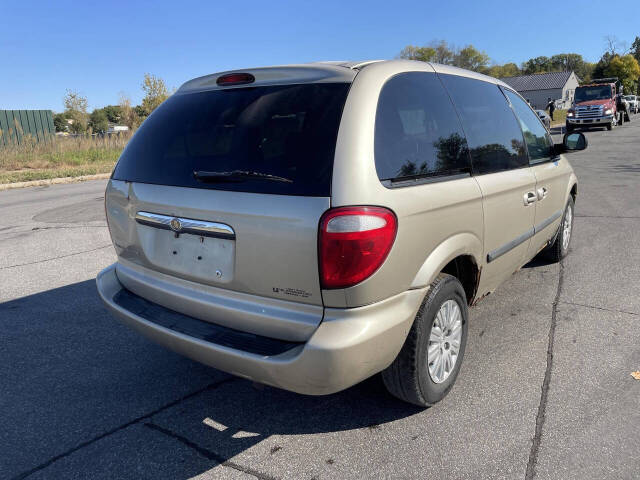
x=493 y=133
x=536 y=136
x=417 y=129
x=596 y=92
x=289 y=131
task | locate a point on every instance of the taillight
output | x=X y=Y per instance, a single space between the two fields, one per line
x=353 y=242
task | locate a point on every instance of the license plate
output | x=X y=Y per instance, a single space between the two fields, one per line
x=198 y=258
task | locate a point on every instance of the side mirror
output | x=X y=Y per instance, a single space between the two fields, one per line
x=574 y=141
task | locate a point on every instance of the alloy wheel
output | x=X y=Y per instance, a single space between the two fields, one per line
x=566 y=228
x=444 y=341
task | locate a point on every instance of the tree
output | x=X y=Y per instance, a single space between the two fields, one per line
x=436 y=51
x=536 y=65
x=444 y=54
x=424 y=54
x=602 y=65
x=76 y=110
x=614 y=47
x=98 y=121
x=471 y=58
x=155 y=93
x=635 y=49
x=128 y=114
x=571 y=62
x=503 y=71
x=561 y=62
x=113 y=112
x=627 y=70
x=60 y=122
x=468 y=57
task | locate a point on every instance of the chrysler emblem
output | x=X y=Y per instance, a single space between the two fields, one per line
x=175 y=224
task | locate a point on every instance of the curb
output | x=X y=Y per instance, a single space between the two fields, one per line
x=53 y=181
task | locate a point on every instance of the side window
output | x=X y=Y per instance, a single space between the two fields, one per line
x=495 y=139
x=535 y=134
x=417 y=131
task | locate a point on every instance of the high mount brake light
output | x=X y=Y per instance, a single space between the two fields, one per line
x=353 y=242
x=235 y=79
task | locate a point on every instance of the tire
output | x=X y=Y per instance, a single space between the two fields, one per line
x=408 y=377
x=559 y=248
x=610 y=125
x=569 y=128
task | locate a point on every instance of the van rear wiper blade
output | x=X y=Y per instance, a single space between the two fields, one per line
x=236 y=176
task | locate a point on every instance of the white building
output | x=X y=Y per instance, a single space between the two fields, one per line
x=117 y=128
x=539 y=87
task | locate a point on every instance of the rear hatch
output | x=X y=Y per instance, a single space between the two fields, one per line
x=225 y=188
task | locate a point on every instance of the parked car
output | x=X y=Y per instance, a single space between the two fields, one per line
x=544 y=118
x=309 y=226
x=624 y=109
x=634 y=103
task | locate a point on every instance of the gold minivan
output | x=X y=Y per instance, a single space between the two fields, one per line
x=308 y=226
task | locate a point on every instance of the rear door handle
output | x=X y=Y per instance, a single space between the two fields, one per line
x=529 y=198
x=542 y=193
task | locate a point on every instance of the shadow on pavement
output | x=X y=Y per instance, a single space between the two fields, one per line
x=74 y=381
x=539 y=261
x=627 y=168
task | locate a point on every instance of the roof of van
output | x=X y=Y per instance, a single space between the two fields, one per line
x=322 y=72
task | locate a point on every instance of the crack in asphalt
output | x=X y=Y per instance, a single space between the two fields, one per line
x=5 y=235
x=120 y=428
x=600 y=308
x=55 y=258
x=67 y=226
x=208 y=454
x=544 y=396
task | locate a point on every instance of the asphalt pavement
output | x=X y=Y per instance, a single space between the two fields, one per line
x=545 y=390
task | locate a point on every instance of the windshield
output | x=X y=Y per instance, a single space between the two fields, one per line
x=630 y=97
x=240 y=139
x=596 y=92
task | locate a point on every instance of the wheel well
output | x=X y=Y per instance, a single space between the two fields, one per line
x=574 y=192
x=465 y=269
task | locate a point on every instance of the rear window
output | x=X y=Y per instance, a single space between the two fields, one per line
x=286 y=131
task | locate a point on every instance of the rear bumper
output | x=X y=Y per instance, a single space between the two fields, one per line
x=348 y=346
x=590 y=121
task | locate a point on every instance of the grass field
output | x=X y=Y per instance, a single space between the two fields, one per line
x=559 y=117
x=60 y=157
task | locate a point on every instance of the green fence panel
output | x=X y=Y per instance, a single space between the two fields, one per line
x=47 y=122
x=4 y=128
x=36 y=115
x=15 y=125
x=52 y=128
x=26 y=131
x=32 y=124
x=13 y=122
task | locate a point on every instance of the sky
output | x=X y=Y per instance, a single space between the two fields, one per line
x=101 y=49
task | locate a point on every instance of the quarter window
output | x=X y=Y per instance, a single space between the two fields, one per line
x=535 y=134
x=417 y=131
x=495 y=139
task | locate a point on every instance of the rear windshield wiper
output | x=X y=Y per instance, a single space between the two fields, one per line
x=236 y=176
